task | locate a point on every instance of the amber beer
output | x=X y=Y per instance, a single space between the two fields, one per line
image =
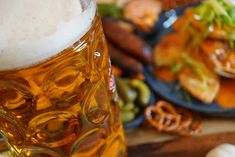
x=57 y=91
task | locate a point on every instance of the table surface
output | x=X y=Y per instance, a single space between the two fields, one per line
x=145 y=134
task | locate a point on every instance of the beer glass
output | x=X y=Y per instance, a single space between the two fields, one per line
x=57 y=91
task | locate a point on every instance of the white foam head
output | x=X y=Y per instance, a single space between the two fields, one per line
x=32 y=31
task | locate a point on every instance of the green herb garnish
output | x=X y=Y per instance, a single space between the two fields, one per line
x=110 y=9
x=231 y=43
x=197 y=67
x=175 y=68
x=217 y=12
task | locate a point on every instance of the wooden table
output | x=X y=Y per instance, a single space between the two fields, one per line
x=144 y=140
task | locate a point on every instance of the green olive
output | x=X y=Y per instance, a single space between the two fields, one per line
x=125 y=92
x=143 y=91
x=127 y=116
x=120 y=102
x=128 y=107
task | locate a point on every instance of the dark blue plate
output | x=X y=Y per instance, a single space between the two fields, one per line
x=172 y=91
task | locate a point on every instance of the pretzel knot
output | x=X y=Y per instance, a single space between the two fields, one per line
x=164 y=117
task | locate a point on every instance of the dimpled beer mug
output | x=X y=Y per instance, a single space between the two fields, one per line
x=57 y=91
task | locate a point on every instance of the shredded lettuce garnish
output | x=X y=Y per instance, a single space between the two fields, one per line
x=217 y=12
x=211 y=14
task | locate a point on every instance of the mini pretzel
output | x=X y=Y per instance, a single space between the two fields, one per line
x=194 y=128
x=196 y=125
x=186 y=118
x=164 y=117
x=170 y=119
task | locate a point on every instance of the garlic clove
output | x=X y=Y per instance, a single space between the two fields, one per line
x=225 y=150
